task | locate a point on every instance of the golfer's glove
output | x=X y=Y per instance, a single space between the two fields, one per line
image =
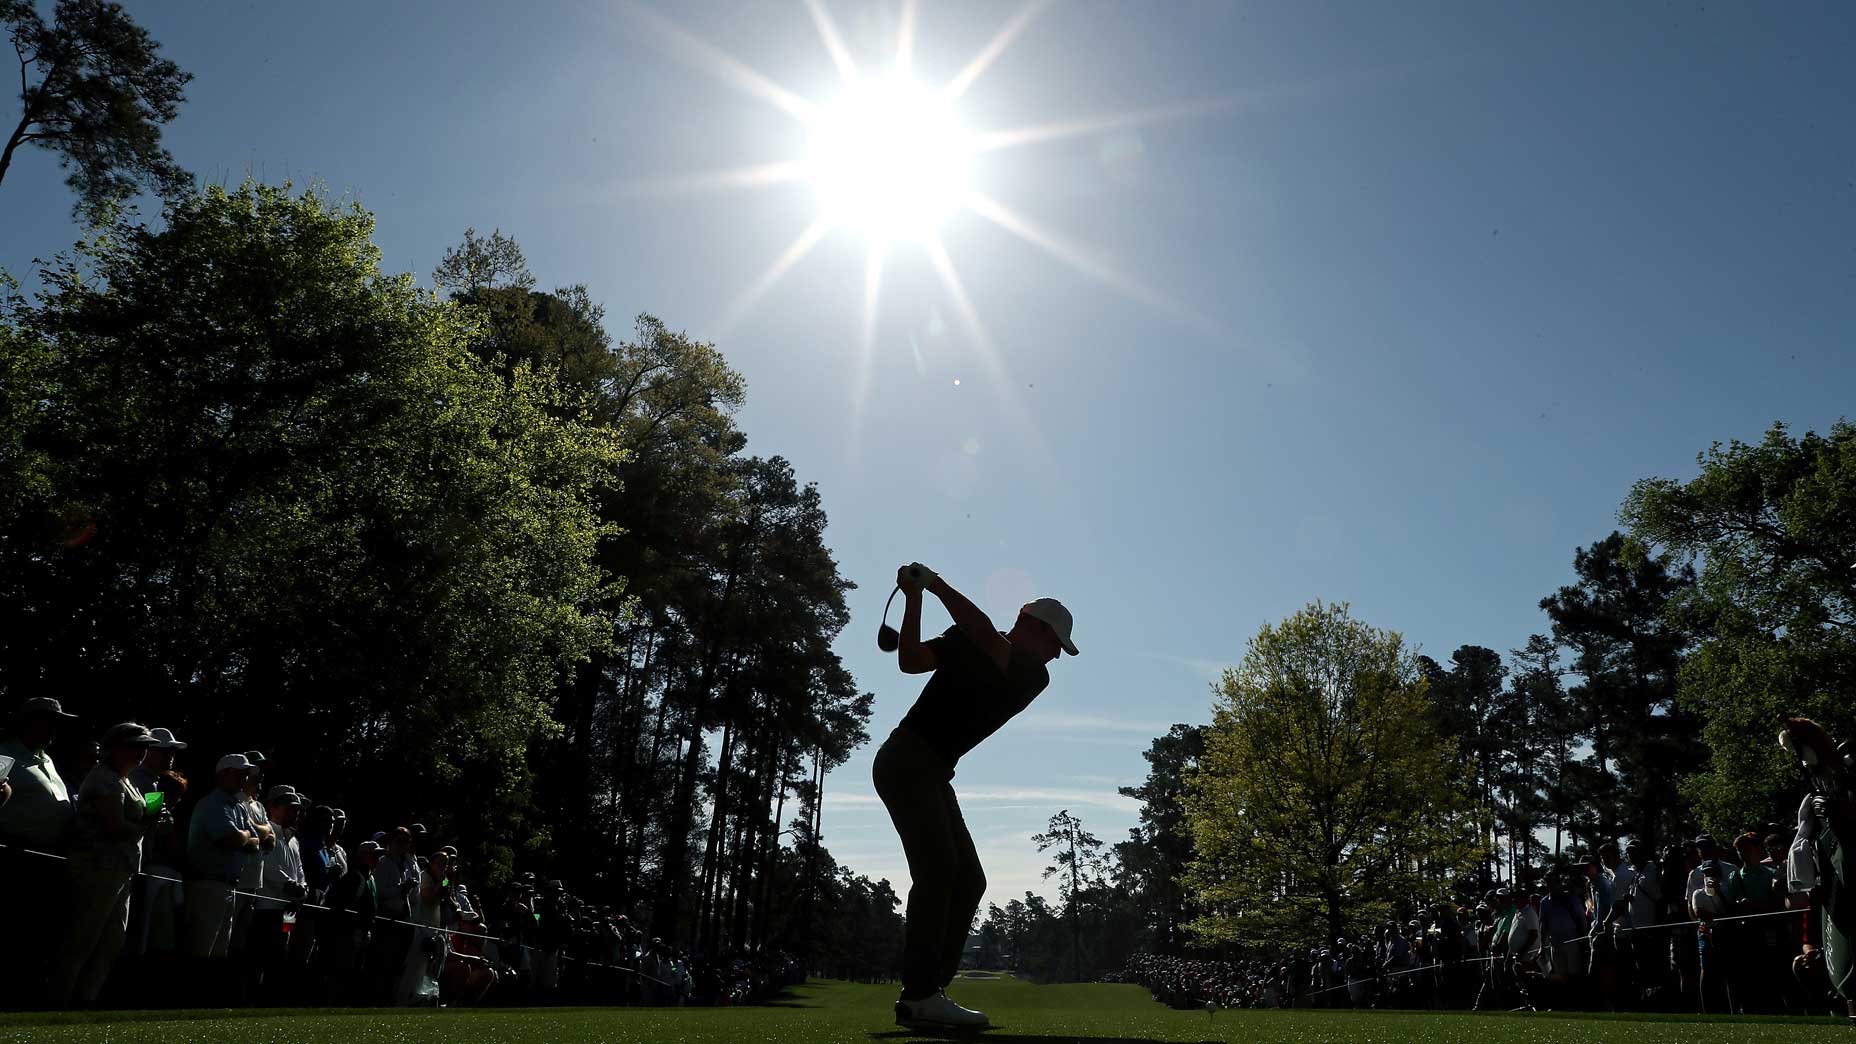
x=915 y=575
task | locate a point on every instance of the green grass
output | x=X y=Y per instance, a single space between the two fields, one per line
x=832 y=1012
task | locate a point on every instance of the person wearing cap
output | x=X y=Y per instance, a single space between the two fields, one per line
x=221 y=838
x=338 y=855
x=157 y=760
x=36 y=818
x=282 y=885
x=396 y=879
x=1709 y=902
x=353 y=904
x=155 y=916
x=105 y=857
x=1605 y=905
x=981 y=678
x=39 y=812
x=251 y=877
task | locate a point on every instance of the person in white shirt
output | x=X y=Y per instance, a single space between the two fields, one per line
x=35 y=819
x=1640 y=885
x=425 y=959
x=251 y=874
x=281 y=887
x=1524 y=933
x=39 y=812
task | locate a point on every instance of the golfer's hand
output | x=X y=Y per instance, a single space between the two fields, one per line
x=914 y=577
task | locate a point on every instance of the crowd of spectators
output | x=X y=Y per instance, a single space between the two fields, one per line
x=1705 y=928
x=144 y=888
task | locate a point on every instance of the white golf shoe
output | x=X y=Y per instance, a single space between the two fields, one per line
x=936 y=1010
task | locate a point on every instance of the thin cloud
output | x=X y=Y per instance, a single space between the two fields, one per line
x=997 y=797
x=1210 y=670
x=1052 y=721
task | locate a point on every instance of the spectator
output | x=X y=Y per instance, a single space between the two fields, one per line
x=396 y=882
x=338 y=856
x=1564 y=923
x=353 y=902
x=1608 y=908
x=425 y=960
x=251 y=874
x=312 y=841
x=35 y=819
x=221 y=839
x=38 y=815
x=553 y=931
x=282 y=888
x=156 y=929
x=1752 y=888
x=1525 y=943
x=111 y=819
x=1645 y=951
x=1708 y=903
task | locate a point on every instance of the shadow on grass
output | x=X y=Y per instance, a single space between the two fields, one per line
x=999 y=1037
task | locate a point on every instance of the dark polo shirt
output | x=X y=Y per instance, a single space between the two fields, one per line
x=968 y=697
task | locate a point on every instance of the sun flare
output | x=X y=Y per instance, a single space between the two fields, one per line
x=890 y=159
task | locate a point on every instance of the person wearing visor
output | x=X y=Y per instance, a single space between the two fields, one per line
x=981 y=678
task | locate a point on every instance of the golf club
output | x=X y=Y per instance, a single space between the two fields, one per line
x=888 y=638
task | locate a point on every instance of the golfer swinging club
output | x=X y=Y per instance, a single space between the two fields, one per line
x=982 y=677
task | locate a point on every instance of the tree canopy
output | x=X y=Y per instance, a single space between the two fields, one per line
x=1772 y=526
x=1324 y=794
x=101 y=97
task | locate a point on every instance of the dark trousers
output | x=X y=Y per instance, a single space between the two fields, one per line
x=946 y=882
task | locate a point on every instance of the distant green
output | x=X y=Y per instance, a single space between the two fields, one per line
x=843 y=1012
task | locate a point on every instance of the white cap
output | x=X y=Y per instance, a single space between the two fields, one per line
x=232 y=761
x=1052 y=612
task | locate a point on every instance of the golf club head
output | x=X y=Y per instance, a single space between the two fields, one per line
x=888 y=638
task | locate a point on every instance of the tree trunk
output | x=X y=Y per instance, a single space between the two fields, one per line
x=682 y=812
x=764 y=915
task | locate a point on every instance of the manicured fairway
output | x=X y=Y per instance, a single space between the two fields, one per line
x=827 y=1013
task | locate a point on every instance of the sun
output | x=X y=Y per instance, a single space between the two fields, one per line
x=891 y=160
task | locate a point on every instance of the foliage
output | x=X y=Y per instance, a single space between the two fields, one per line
x=479 y=264
x=1150 y=866
x=102 y=96
x=1613 y=623
x=285 y=499
x=1773 y=527
x=1325 y=796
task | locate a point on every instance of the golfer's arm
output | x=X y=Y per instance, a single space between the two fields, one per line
x=913 y=655
x=972 y=621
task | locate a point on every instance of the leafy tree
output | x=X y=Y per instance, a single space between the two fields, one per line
x=1773 y=527
x=1538 y=738
x=1325 y=795
x=102 y=95
x=1626 y=652
x=1152 y=863
x=1463 y=704
x=276 y=496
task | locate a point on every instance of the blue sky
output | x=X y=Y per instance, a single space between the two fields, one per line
x=1392 y=310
